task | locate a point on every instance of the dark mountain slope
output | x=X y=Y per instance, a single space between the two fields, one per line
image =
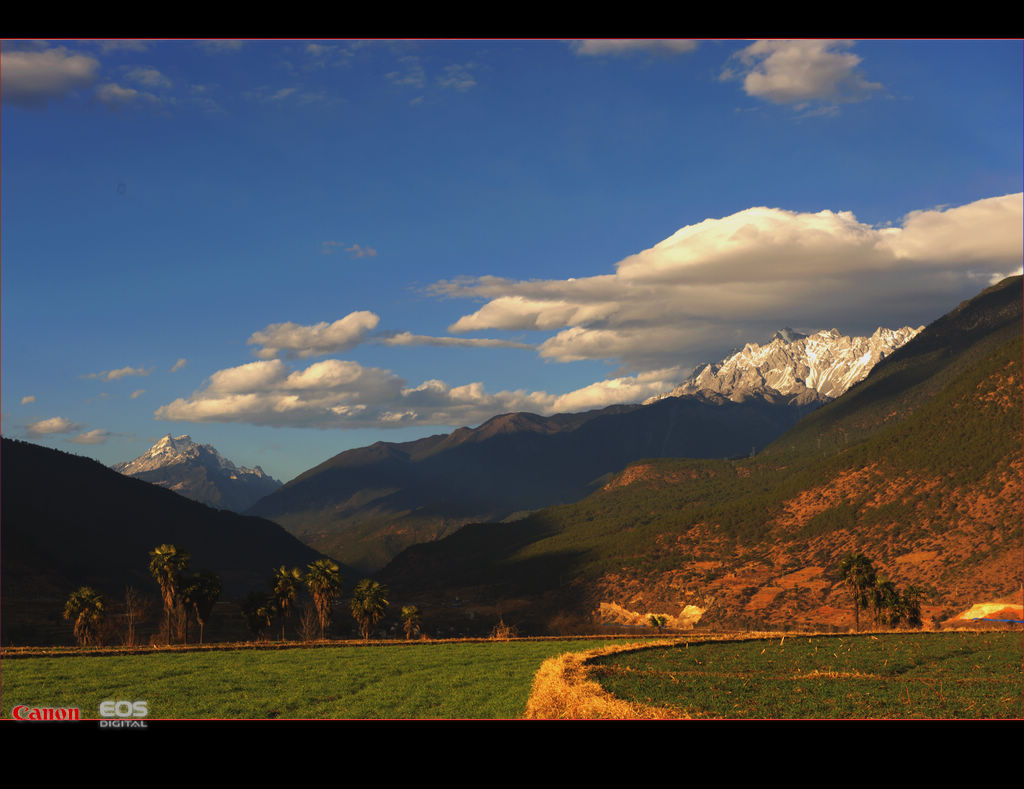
x=366 y=505
x=918 y=466
x=68 y=521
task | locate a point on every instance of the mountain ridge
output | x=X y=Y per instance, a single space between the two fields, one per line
x=805 y=368
x=918 y=466
x=365 y=505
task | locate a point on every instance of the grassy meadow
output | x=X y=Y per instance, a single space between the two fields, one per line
x=894 y=675
x=434 y=680
x=884 y=675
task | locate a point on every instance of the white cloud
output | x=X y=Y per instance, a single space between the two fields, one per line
x=149 y=77
x=113 y=94
x=357 y=251
x=32 y=79
x=98 y=436
x=408 y=338
x=137 y=393
x=220 y=45
x=727 y=280
x=354 y=250
x=343 y=394
x=115 y=375
x=122 y=44
x=316 y=340
x=796 y=72
x=625 y=46
x=56 y=424
x=457 y=77
x=708 y=287
x=281 y=94
x=247 y=377
x=28 y=399
x=179 y=365
x=411 y=74
x=995 y=279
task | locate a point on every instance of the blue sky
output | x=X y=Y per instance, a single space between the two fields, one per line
x=290 y=248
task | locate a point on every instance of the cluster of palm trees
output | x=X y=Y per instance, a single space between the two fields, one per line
x=890 y=607
x=323 y=580
x=184 y=599
x=187 y=599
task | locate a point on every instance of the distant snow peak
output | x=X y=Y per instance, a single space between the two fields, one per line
x=198 y=471
x=798 y=367
x=170 y=451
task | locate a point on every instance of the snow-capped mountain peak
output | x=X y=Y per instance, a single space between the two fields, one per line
x=799 y=367
x=200 y=472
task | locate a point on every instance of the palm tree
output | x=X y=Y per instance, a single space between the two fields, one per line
x=258 y=610
x=199 y=598
x=411 y=620
x=369 y=601
x=910 y=605
x=883 y=597
x=87 y=608
x=858 y=573
x=286 y=584
x=166 y=563
x=657 y=621
x=324 y=582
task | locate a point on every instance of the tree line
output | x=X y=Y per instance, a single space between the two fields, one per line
x=189 y=600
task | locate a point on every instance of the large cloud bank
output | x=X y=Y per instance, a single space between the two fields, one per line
x=711 y=285
x=750 y=272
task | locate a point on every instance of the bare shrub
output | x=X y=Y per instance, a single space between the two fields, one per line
x=503 y=632
x=309 y=623
x=136 y=612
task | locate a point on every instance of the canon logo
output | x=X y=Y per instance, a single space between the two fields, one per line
x=26 y=713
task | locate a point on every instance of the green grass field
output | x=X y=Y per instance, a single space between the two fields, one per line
x=919 y=675
x=458 y=680
x=911 y=675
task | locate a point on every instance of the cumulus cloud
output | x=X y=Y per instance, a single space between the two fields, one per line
x=343 y=394
x=626 y=46
x=28 y=399
x=319 y=339
x=708 y=287
x=33 y=79
x=56 y=424
x=115 y=375
x=98 y=436
x=179 y=365
x=724 y=281
x=797 y=72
